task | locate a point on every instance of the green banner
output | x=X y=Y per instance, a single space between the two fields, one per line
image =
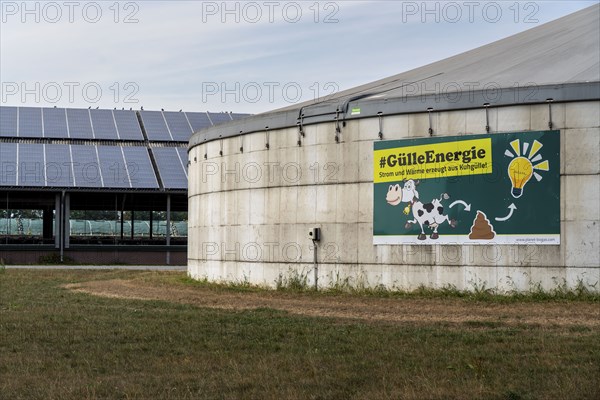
x=501 y=188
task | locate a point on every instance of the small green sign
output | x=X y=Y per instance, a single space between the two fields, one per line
x=501 y=188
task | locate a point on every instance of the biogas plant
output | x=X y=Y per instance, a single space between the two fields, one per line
x=477 y=171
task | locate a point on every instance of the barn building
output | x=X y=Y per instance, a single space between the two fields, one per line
x=95 y=186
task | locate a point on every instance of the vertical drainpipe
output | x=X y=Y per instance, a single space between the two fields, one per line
x=168 y=233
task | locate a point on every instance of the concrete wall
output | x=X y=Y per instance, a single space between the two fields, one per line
x=250 y=212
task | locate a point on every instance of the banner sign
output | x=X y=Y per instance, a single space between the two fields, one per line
x=501 y=188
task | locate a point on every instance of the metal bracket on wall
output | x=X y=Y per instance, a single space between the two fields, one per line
x=549 y=101
x=241 y=142
x=267 y=137
x=380 y=116
x=338 y=130
x=429 y=110
x=300 y=124
x=487 y=117
x=300 y=129
x=221 y=146
x=205 y=150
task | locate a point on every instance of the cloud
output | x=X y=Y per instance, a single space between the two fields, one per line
x=176 y=48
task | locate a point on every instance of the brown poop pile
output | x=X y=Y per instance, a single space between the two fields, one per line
x=481 y=228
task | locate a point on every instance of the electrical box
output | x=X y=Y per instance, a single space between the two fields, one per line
x=315 y=234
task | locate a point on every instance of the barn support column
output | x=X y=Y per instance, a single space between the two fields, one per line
x=168 y=232
x=58 y=221
x=67 y=219
x=132 y=222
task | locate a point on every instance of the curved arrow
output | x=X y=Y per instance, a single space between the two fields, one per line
x=467 y=206
x=512 y=208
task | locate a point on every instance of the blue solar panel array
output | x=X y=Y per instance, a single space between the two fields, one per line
x=155 y=126
x=31 y=166
x=84 y=166
x=141 y=173
x=198 y=120
x=30 y=122
x=59 y=169
x=58 y=164
x=170 y=168
x=104 y=125
x=127 y=125
x=178 y=126
x=69 y=123
x=80 y=124
x=86 y=124
x=55 y=123
x=8 y=121
x=8 y=164
x=113 y=167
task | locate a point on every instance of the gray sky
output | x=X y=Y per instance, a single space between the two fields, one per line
x=235 y=56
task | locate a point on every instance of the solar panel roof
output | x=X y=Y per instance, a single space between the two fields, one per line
x=31 y=169
x=140 y=168
x=113 y=167
x=128 y=126
x=59 y=172
x=155 y=126
x=170 y=168
x=8 y=164
x=178 y=125
x=104 y=125
x=198 y=120
x=8 y=121
x=86 y=167
x=55 y=123
x=80 y=125
x=30 y=122
x=65 y=147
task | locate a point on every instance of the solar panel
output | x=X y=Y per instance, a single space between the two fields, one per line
x=80 y=126
x=112 y=164
x=169 y=167
x=128 y=125
x=198 y=120
x=183 y=154
x=31 y=165
x=55 y=123
x=155 y=126
x=8 y=121
x=85 y=166
x=103 y=123
x=8 y=164
x=140 y=168
x=58 y=165
x=178 y=125
x=219 y=118
x=30 y=122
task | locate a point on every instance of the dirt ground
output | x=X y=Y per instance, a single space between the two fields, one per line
x=368 y=309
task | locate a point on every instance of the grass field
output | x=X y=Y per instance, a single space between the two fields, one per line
x=197 y=341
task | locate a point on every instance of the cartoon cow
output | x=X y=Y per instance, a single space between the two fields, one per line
x=430 y=214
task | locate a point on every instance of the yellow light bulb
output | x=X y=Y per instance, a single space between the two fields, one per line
x=520 y=171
